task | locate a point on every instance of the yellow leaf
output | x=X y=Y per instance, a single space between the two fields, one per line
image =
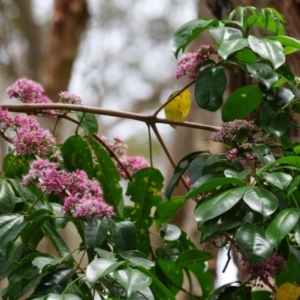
x=179 y=107
x=288 y=291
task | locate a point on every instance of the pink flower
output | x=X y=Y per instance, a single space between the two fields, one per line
x=188 y=63
x=267 y=269
x=66 y=97
x=31 y=138
x=6 y=120
x=29 y=91
x=132 y=164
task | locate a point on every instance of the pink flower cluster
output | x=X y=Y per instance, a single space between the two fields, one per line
x=188 y=63
x=30 y=137
x=267 y=269
x=29 y=91
x=244 y=158
x=131 y=163
x=66 y=97
x=83 y=198
x=228 y=134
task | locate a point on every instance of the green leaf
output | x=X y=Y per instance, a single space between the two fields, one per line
x=77 y=155
x=217 y=205
x=210 y=87
x=88 y=122
x=241 y=103
x=230 y=46
x=60 y=220
x=263 y=73
x=261 y=295
x=182 y=166
x=188 y=32
x=132 y=280
x=294 y=186
x=246 y=56
x=7 y=224
x=210 y=185
x=13 y=166
x=99 y=268
x=170 y=232
x=58 y=243
x=268 y=49
x=7 y=197
x=209 y=231
x=286 y=41
x=281 y=225
x=55 y=282
x=173 y=274
x=191 y=257
x=43 y=262
x=273 y=120
x=123 y=234
x=6 y=263
x=53 y=296
x=219 y=291
x=94 y=235
x=253 y=243
x=106 y=172
x=261 y=200
x=137 y=258
x=145 y=192
x=282 y=95
x=167 y=209
x=278 y=179
x=223 y=34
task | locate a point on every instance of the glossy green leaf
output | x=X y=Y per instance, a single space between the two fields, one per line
x=145 y=192
x=286 y=41
x=281 y=225
x=278 y=179
x=253 y=243
x=210 y=87
x=263 y=73
x=219 y=291
x=241 y=103
x=94 y=235
x=132 y=280
x=7 y=197
x=58 y=243
x=246 y=56
x=60 y=220
x=137 y=258
x=273 y=120
x=191 y=257
x=282 y=95
x=67 y=296
x=77 y=155
x=99 y=268
x=105 y=254
x=88 y=122
x=261 y=200
x=210 y=185
x=170 y=232
x=56 y=281
x=123 y=234
x=209 y=231
x=188 y=32
x=294 y=186
x=261 y=152
x=6 y=263
x=231 y=46
x=168 y=209
x=44 y=262
x=268 y=49
x=106 y=172
x=217 y=205
x=7 y=224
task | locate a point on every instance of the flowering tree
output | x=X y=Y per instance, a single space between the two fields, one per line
x=247 y=198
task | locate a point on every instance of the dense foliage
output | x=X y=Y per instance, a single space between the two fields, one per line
x=247 y=198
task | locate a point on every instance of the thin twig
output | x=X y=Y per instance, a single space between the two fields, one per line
x=148 y=119
x=153 y=126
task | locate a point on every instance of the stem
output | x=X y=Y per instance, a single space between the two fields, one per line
x=153 y=126
x=79 y=123
x=171 y=98
x=191 y=294
x=15 y=157
x=150 y=146
x=148 y=119
x=69 y=285
x=228 y=259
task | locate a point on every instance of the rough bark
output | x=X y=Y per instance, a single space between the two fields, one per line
x=70 y=18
